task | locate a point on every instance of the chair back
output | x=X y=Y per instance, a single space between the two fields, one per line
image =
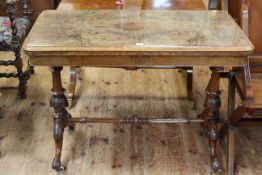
x=248 y=14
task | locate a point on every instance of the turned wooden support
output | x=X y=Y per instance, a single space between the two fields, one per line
x=11 y=13
x=134 y=120
x=211 y=116
x=26 y=9
x=59 y=103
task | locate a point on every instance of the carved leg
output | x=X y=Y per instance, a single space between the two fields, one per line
x=59 y=103
x=211 y=115
x=72 y=85
x=21 y=76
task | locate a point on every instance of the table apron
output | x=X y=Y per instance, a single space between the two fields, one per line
x=138 y=61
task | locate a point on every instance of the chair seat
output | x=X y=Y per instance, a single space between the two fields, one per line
x=6 y=31
x=256 y=101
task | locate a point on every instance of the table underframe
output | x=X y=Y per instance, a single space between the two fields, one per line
x=208 y=118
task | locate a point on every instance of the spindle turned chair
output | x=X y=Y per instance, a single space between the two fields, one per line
x=12 y=33
x=247 y=82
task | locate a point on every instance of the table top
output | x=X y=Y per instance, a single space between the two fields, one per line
x=127 y=32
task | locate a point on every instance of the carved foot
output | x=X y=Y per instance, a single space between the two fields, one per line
x=56 y=165
x=216 y=165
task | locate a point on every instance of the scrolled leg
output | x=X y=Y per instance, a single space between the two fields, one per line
x=58 y=137
x=59 y=103
x=211 y=116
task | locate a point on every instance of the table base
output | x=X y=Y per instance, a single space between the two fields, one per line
x=208 y=118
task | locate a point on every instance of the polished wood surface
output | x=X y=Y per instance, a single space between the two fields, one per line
x=127 y=33
x=132 y=4
x=137 y=31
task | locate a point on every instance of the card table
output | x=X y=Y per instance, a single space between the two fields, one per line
x=143 y=39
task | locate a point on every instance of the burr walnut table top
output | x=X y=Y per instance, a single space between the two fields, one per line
x=132 y=38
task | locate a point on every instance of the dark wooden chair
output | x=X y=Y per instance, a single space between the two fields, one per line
x=247 y=82
x=250 y=93
x=12 y=33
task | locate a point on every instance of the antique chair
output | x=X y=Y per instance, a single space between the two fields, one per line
x=12 y=33
x=251 y=104
x=248 y=81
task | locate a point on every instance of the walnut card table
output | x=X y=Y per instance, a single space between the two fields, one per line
x=140 y=39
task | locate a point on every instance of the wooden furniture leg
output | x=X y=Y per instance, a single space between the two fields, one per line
x=20 y=74
x=211 y=116
x=231 y=150
x=189 y=80
x=189 y=83
x=59 y=103
x=231 y=101
x=72 y=83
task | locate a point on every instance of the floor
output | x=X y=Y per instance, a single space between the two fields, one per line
x=27 y=148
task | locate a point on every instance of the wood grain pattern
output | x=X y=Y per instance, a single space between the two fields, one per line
x=128 y=38
x=136 y=31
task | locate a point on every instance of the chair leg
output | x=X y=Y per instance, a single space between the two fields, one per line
x=231 y=150
x=231 y=104
x=72 y=83
x=32 y=70
x=190 y=83
x=21 y=76
x=223 y=131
